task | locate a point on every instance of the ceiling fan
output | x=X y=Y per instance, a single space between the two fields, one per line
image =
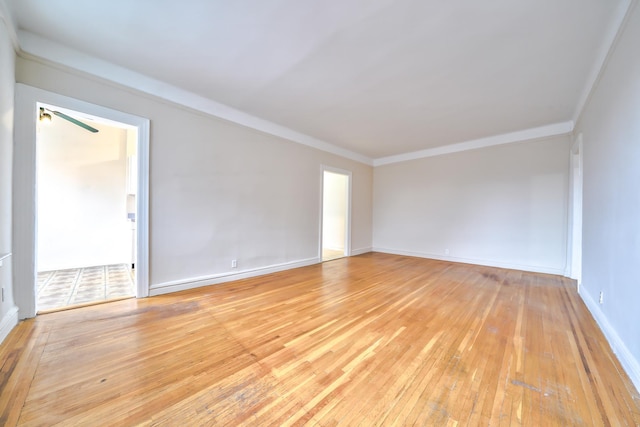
x=45 y=114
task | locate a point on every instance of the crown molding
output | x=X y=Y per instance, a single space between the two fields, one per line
x=555 y=129
x=43 y=49
x=47 y=50
x=609 y=42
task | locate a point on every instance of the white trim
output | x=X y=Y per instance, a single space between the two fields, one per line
x=347 y=236
x=574 y=237
x=608 y=44
x=56 y=53
x=3 y=257
x=47 y=50
x=628 y=362
x=31 y=44
x=555 y=129
x=8 y=322
x=361 y=251
x=24 y=189
x=214 y=279
x=488 y=263
x=142 y=209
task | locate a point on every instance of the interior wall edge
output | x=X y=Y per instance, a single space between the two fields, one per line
x=197 y=282
x=8 y=322
x=628 y=362
x=6 y=17
x=540 y=133
x=606 y=50
x=361 y=251
x=474 y=261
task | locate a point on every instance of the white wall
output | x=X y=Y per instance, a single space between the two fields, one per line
x=610 y=125
x=220 y=191
x=82 y=203
x=503 y=206
x=334 y=210
x=8 y=312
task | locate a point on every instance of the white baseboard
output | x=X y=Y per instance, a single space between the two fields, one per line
x=488 y=263
x=196 y=282
x=8 y=322
x=628 y=362
x=360 y=251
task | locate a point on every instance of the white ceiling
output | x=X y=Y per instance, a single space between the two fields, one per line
x=376 y=77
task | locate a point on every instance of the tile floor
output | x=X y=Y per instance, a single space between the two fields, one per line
x=61 y=288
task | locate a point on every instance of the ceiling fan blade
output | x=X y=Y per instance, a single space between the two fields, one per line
x=74 y=121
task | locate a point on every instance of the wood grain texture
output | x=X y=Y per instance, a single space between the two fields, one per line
x=369 y=340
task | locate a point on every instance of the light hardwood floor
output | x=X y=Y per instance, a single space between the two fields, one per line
x=369 y=340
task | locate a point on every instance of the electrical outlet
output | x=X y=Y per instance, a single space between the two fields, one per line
x=234 y=263
x=601 y=297
x=446 y=251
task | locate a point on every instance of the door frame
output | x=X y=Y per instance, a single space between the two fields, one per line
x=347 y=237
x=574 y=258
x=25 y=191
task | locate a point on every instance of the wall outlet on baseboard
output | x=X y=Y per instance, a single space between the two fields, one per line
x=446 y=251
x=234 y=263
x=601 y=297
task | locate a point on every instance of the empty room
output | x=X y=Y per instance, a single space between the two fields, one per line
x=390 y=212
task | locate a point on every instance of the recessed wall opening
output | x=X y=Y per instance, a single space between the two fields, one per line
x=77 y=170
x=86 y=186
x=335 y=214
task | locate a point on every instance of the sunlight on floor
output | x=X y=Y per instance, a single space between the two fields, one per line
x=329 y=254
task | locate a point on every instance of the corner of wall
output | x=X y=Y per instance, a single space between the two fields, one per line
x=8 y=48
x=604 y=53
x=628 y=362
x=8 y=322
x=6 y=17
x=361 y=251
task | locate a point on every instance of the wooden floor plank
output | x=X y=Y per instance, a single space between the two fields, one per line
x=369 y=340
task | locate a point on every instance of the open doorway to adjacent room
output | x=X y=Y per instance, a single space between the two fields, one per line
x=336 y=206
x=86 y=187
x=72 y=112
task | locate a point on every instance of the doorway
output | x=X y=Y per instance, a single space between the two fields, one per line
x=25 y=196
x=336 y=213
x=86 y=175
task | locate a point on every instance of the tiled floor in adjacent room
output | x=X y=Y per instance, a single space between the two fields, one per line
x=62 y=288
